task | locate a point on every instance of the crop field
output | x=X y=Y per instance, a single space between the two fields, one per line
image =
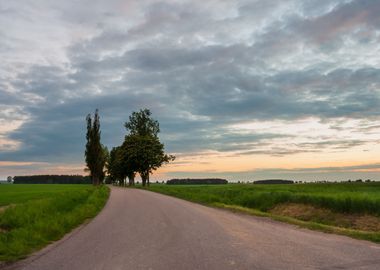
x=31 y=216
x=348 y=208
x=15 y=194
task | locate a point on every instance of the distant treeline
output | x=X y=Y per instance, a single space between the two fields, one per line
x=274 y=181
x=205 y=181
x=52 y=179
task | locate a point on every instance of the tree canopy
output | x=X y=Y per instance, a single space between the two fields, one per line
x=141 y=152
x=145 y=154
x=140 y=123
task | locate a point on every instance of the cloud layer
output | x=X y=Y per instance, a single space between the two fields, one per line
x=223 y=77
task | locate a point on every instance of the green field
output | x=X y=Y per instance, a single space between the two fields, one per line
x=31 y=216
x=348 y=208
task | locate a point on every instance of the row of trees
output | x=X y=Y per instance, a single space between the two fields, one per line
x=51 y=179
x=194 y=181
x=141 y=152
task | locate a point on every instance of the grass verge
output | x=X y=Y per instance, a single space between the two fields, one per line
x=358 y=234
x=27 y=227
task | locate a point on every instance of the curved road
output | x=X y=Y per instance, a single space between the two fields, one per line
x=139 y=229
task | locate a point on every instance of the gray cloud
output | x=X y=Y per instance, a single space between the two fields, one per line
x=199 y=67
x=343 y=19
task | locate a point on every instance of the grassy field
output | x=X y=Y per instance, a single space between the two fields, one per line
x=347 y=208
x=31 y=216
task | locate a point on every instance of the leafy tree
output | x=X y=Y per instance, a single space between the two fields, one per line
x=95 y=153
x=147 y=154
x=112 y=166
x=105 y=159
x=140 y=123
x=141 y=152
x=119 y=166
x=127 y=164
x=142 y=146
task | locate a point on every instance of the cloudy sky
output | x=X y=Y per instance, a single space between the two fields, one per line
x=242 y=89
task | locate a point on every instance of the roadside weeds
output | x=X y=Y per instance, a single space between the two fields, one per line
x=358 y=234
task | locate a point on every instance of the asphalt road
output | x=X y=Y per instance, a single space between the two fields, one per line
x=139 y=229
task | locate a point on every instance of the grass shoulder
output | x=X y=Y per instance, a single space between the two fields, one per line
x=351 y=209
x=47 y=214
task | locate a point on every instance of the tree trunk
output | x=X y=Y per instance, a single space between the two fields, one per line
x=131 y=179
x=147 y=178
x=95 y=180
x=144 y=177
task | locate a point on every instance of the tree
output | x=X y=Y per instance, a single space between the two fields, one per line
x=105 y=157
x=116 y=167
x=146 y=154
x=142 y=147
x=141 y=152
x=140 y=123
x=126 y=163
x=120 y=166
x=112 y=166
x=95 y=153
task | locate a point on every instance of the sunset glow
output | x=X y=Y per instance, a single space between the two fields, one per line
x=243 y=90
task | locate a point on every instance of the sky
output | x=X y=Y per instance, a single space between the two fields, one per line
x=243 y=90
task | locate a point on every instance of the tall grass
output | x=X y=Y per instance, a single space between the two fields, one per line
x=28 y=226
x=21 y=193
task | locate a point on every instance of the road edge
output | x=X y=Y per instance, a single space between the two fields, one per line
x=312 y=226
x=46 y=249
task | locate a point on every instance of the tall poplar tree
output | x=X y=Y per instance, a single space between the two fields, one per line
x=95 y=153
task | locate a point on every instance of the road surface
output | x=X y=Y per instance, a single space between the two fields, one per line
x=139 y=229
